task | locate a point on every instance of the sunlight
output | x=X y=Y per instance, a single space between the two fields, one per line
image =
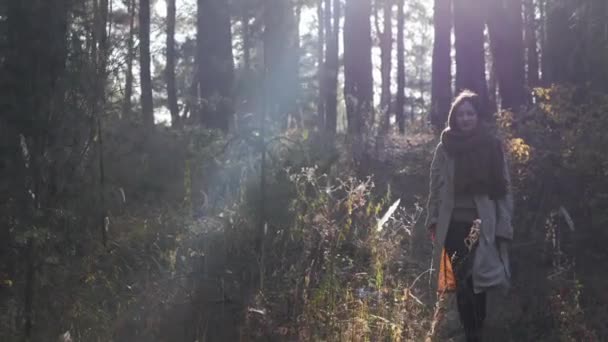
x=160 y=8
x=308 y=20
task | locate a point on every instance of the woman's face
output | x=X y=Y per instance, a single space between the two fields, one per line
x=466 y=117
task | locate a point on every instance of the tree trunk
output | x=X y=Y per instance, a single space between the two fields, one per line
x=531 y=44
x=492 y=87
x=29 y=290
x=358 y=80
x=246 y=39
x=288 y=108
x=170 y=66
x=32 y=71
x=441 y=87
x=469 y=44
x=558 y=49
x=103 y=39
x=249 y=88
x=331 y=69
x=147 y=106
x=215 y=64
x=94 y=31
x=386 y=50
x=543 y=41
x=505 y=27
x=100 y=103
x=400 y=101
x=321 y=68
x=279 y=50
x=126 y=109
x=295 y=110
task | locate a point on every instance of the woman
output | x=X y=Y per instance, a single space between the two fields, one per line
x=470 y=181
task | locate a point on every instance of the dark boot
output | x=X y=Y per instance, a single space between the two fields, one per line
x=472 y=310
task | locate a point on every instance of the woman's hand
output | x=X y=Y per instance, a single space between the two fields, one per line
x=432 y=230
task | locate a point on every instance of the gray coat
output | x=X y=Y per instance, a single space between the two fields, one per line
x=491 y=262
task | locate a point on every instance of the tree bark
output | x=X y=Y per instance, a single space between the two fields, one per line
x=386 y=50
x=147 y=106
x=294 y=109
x=215 y=64
x=170 y=66
x=543 y=41
x=321 y=18
x=331 y=68
x=505 y=27
x=358 y=80
x=558 y=56
x=246 y=38
x=492 y=87
x=531 y=44
x=400 y=101
x=249 y=88
x=126 y=109
x=441 y=83
x=279 y=50
x=31 y=73
x=469 y=44
x=100 y=102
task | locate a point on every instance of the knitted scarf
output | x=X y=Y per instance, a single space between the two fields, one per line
x=478 y=162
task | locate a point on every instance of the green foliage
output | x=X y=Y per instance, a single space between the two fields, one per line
x=558 y=163
x=557 y=146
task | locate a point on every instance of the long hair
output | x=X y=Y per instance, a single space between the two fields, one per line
x=465 y=96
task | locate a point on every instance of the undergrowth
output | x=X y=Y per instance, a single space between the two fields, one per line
x=349 y=278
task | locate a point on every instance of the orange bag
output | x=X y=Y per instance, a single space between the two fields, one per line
x=447 y=280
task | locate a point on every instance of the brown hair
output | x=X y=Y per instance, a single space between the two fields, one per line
x=465 y=96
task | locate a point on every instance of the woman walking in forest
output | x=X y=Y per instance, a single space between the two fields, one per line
x=470 y=183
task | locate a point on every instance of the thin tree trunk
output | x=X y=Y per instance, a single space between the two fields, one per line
x=248 y=94
x=531 y=44
x=144 y=64
x=215 y=64
x=544 y=63
x=246 y=39
x=170 y=66
x=493 y=88
x=99 y=102
x=94 y=31
x=126 y=109
x=358 y=80
x=421 y=89
x=289 y=72
x=201 y=59
x=386 y=47
x=469 y=44
x=400 y=101
x=412 y=109
x=505 y=27
x=321 y=68
x=102 y=183
x=29 y=290
x=441 y=87
x=296 y=112
x=332 y=67
x=103 y=34
x=557 y=51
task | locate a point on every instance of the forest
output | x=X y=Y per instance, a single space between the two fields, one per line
x=257 y=170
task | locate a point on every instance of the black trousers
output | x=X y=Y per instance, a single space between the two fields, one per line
x=471 y=306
